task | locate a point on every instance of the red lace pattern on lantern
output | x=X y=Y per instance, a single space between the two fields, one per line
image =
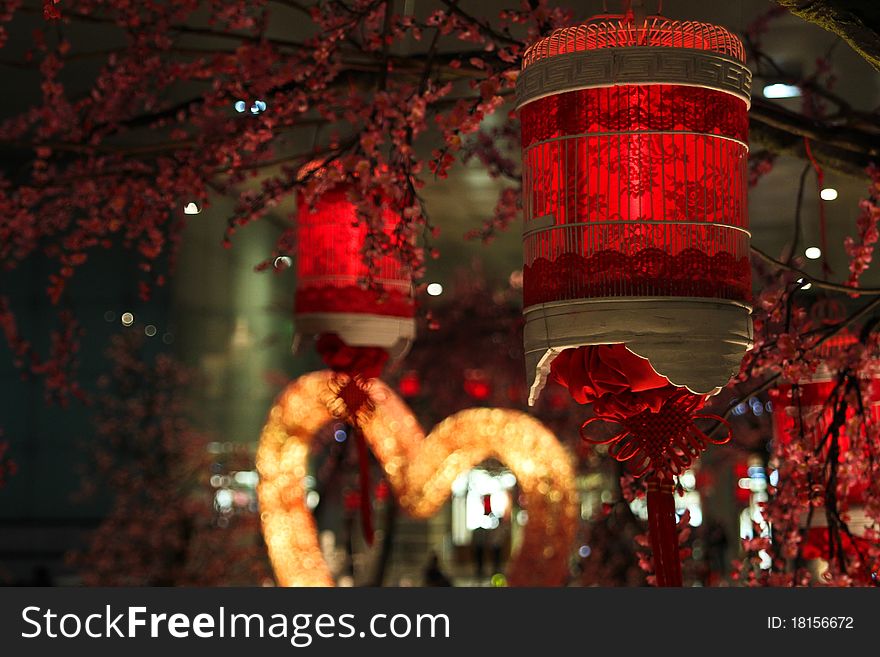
x=649 y=272
x=634 y=108
x=588 y=169
x=354 y=299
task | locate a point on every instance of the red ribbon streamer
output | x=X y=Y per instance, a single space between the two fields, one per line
x=820 y=185
x=366 y=500
x=357 y=365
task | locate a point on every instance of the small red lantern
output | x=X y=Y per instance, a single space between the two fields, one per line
x=810 y=405
x=357 y=326
x=477 y=385
x=636 y=277
x=410 y=384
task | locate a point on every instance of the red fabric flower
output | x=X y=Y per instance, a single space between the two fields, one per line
x=50 y=11
x=366 y=362
x=615 y=380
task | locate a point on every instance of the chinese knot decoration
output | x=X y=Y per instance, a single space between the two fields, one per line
x=636 y=277
x=359 y=316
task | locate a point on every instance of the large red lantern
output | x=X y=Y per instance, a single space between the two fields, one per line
x=359 y=316
x=636 y=276
x=810 y=411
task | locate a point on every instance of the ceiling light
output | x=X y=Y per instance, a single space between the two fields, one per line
x=435 y=289
x=828 y=194
x=813 y=252
x=779 y=90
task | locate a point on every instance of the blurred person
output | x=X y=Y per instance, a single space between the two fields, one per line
x=434 y=576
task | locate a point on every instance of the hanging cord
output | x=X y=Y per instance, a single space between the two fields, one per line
x=628 y=9
x=820 y=185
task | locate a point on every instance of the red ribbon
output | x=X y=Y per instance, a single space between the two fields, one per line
x=615 y=380
x=820 y=184
x=363 y=362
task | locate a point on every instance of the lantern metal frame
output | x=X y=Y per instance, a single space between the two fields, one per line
x=393 y=331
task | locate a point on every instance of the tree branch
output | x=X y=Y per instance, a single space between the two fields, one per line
x=825 y=285
x=855 y=21
x=768 y=383
x=485 y=28
x=843 y=149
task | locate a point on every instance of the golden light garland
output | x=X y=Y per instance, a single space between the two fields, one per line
x=420 y=469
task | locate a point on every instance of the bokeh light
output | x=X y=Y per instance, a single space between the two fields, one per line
x=421 y=470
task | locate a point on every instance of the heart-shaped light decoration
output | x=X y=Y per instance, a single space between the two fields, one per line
x=420 y=469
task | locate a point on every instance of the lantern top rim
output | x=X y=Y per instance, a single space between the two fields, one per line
x=619 y=31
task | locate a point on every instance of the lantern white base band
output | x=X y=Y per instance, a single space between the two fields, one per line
x=858 y=520
x=695 y=343
x=361 y=330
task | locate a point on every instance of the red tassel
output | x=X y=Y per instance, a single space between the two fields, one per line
x=366 y=500
x=662 y=531
x=823 y=230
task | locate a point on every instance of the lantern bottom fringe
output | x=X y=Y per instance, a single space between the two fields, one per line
x=649 y=272
x=655 y=432
x=351 y=400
